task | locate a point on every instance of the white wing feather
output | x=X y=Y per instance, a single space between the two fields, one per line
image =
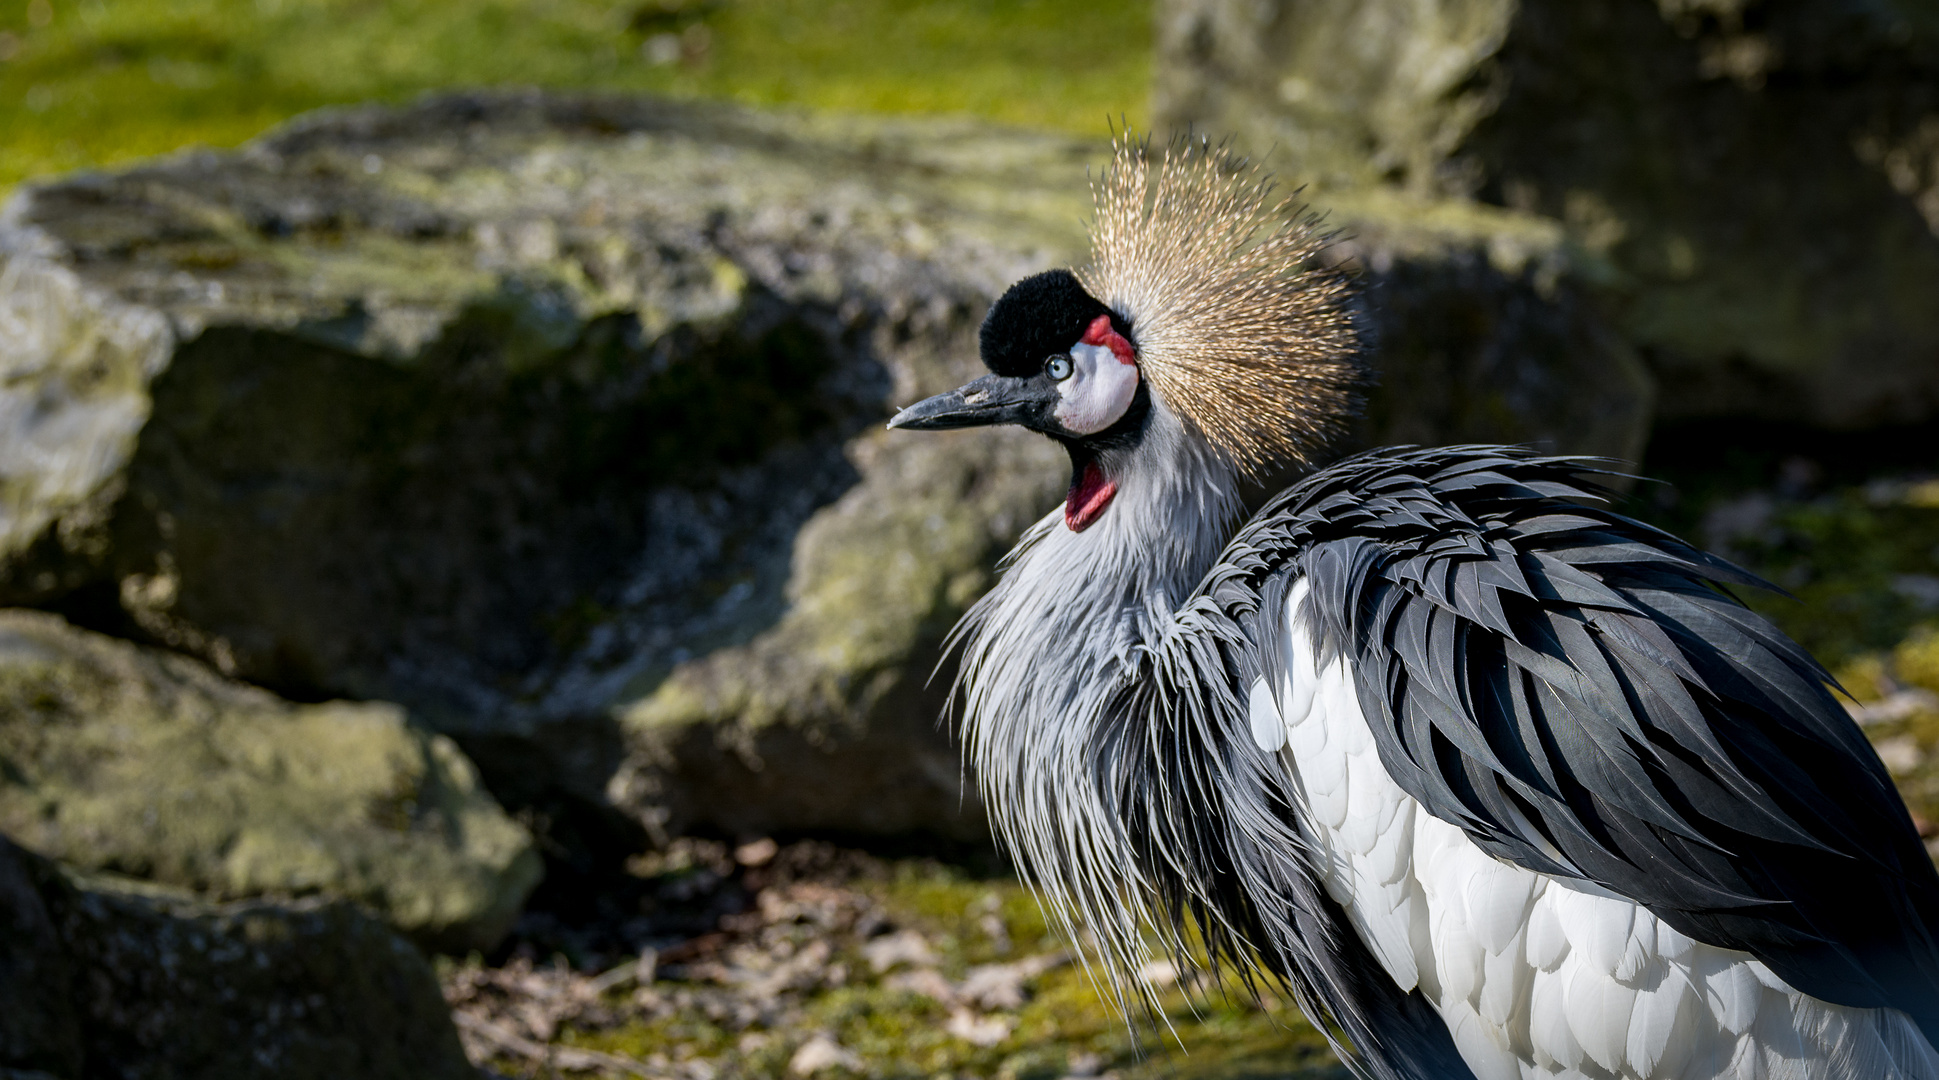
x=1539 y=976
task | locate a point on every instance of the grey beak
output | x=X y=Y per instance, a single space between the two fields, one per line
x=992 y=399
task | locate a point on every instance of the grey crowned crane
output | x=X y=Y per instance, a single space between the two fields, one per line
x=1498 y=782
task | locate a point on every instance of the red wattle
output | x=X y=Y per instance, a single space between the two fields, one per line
x=1101 y=333
x=1088 y=497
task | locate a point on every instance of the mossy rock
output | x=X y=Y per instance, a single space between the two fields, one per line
x=829 y=719
x=1483 y=325
x=508 y=407
x=101 y=978
x=124 y=759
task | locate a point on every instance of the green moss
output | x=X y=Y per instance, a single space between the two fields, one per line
x=113 y=80
x=1865 y=677
x=1845 y=557
x=1915 y=661
x=1912 y=663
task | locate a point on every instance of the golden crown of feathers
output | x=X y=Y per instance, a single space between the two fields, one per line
x=1238 y=330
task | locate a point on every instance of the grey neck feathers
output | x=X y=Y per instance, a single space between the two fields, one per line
x=1042 y=654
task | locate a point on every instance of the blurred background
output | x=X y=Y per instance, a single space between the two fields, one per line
x=459 y=609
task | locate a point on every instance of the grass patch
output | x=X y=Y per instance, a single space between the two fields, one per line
x=1860 y=561
x=87 y=83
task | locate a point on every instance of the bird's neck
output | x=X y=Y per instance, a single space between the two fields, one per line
x=1043 y=652
x=1090 y=594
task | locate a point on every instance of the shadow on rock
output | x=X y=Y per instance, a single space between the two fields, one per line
x=100 y=981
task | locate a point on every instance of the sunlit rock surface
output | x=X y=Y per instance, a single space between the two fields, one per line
x=102 y=979
x=558 y=421
x=148 y=764
x=1759 y=177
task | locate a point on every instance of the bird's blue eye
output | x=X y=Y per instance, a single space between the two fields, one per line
x=1058 y=367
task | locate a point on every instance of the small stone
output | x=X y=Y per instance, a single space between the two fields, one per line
x=821 y=1053
x=1921 y=589
x=993 y=929
x=1159 y=974
x=1900 y=753
x=902 y=947
x=995 y=986
x=925 y=981
x=1893 y=707
x=1084 y=1064
x=804 y=969
x=977 y=1030
x=1001 y=986
x=661 y=49
x=757 y=852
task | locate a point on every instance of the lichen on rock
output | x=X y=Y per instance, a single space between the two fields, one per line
x=117 y=758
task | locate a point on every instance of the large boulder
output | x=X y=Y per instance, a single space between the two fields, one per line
x=118 y=758
x=558 y=420
x=102 y=980
x=1484 y=326
x=509 y=407
x=1761 y=177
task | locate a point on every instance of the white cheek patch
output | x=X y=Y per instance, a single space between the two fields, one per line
x=1097 y=393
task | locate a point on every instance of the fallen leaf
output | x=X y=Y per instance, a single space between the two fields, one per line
x=1901 y=754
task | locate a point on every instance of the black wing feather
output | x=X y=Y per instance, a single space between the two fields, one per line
x=1583 y=695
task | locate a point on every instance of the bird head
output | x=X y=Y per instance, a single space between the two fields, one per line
x=1202 y=306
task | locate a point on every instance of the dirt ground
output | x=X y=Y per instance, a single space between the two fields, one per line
x=809 y=959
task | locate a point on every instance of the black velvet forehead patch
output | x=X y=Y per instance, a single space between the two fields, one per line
x=1041 y=315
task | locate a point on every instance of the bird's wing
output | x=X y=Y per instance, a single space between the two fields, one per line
x=1530 y=969
x=1581 y=696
